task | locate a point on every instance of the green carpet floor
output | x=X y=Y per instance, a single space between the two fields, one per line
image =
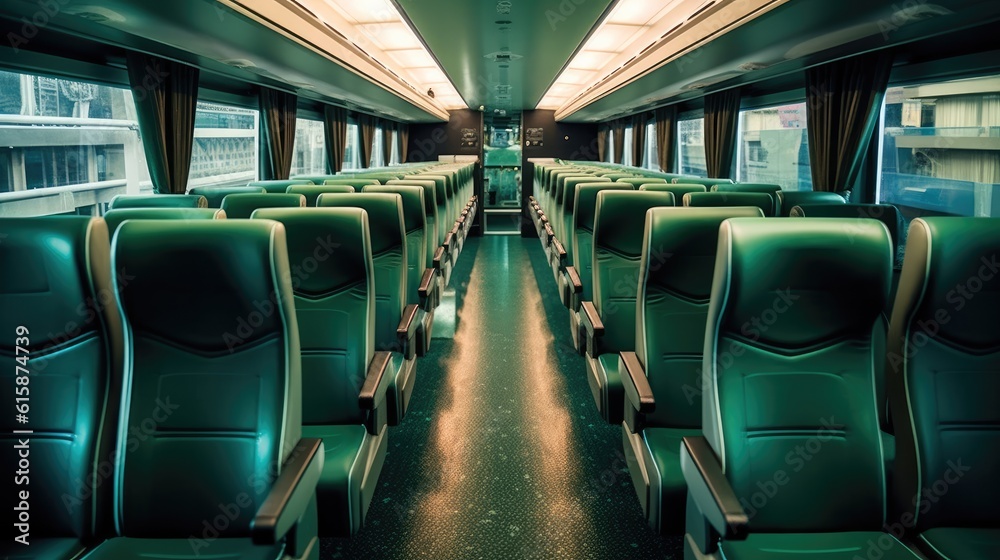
x=502 y=454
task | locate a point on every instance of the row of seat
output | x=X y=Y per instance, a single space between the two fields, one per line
x=797 y=358
x=249 y=390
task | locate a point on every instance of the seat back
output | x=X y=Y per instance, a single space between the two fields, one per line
x=763 y=201
x=415 y=225
x=357 y=182
x=885 y=213
x=215 y=195
x=335 y=306
x=675 y=284
x=388 y=249
x=619 y=224
x=211 y=405
x=752 y=188
x=789 y=395
x=317 y=179
x=442 y=219
x=115 y=218
x=565 y=210
x=55 y=305
x=311 y=192
x=435 y=234
x=585 y=207
x=157 y=201
x=943 y=359
x=678 y=190
x=241 y=206
x=638 y=182
x=789 y=199
x=278 y=186
x=707 y=183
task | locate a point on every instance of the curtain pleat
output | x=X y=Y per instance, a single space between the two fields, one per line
x=721 y=113
x=618 y=139
x=404 y=141
x=639 y=138
x=666 y=137
x=166 y=99
x=387 y=127
x=602 y=141
x=335 y=119
x=277 y=118
x=366 y=123
x=843 y=101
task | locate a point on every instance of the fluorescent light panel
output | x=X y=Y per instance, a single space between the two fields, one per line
x=377 y=27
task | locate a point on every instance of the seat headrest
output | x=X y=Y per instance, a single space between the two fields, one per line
x=620 y=219
x=790 y=199
x=585 y=204
x=330 y=248
x=278 y=186
x=215 y=195
x=414 y=215
x=158 y=201
x=763 y=201
x=809 y=269
x=241 y=206
x=311 y=192
x=385 y=216
x=115 y=218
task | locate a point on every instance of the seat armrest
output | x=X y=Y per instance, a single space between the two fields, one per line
x=575 y=283
x=637 y=390
x=449 y=239
x=558 y=254
x=439 y=257
x=593 y=327
x=406 y=331
x=550 y=234
x=426 y=289
x=291 y=493
x=376 y=381
x=573 y=288
x=709 y=489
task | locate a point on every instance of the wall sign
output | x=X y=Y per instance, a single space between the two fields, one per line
x=533 y=136
x=470 y=138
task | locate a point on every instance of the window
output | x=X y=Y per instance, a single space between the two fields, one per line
x=691 y=147
x=651 y=157
x=66 y=133
x=774 y=147
x=378 y=156
x=609 y=146
x=309 y=154
x=225 y=145
x=352 y=152
x=627 y=151
x=396 y=156
x=941 y=149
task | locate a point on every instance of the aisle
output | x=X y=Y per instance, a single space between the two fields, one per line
x=503 y=454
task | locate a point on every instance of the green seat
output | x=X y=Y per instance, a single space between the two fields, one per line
x=434 y=236
x=679 y=190
x=357 y=182
x=763 y=201
x=585 y=205
x=213 y=386
x=278 y=186
x=420 y=279
x=114 y=218
x=241 y=206
x=792 y=452
x=56 y=286
x=789 y=199
x=708 y=183
x=608 y=322
x=396 y=322
x=675 y=284
x=752 y=188
x=565 y=206
x=316 y=179
x=157 y=201
x=215 y=195
x=942 y=364
x=312 y=192
x=344 y=380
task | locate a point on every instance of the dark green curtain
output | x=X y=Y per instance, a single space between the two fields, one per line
x=387 y=128
x=166 y=97
x=602 y=141
x=366 y=124
x=721 y=113
x=404 y=141
x=335 y=119
x=639 y=137
x=666 y=137
x=618 y=141
x=277 y=132
x=843 y=100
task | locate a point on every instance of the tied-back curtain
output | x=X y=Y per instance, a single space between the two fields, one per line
x=721 y=113
x=277 y=118
x=366 y=123
x=166 y=98
x=387 y=128
x=404 y=141
x=618 y=139
x=639 y=138
x=665 y=118
x=335 y=120
x=602 y=141
x=843 y=101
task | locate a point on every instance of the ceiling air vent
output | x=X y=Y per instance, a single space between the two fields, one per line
x=702 y=9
